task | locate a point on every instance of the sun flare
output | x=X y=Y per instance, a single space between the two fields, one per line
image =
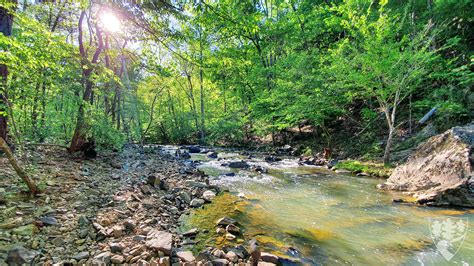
x=110 y=22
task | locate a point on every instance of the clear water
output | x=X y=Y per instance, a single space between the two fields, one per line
x=325 y=218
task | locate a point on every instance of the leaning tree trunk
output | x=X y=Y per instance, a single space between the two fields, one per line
x=21 y=173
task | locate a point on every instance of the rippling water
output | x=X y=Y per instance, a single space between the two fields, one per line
x=325 y=218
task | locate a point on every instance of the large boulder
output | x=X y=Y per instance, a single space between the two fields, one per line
x=440 y=171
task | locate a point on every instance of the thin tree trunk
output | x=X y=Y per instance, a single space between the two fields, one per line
x=388 y=146
x=20 y=172
x=201 y=83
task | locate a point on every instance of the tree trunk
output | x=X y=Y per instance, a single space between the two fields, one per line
x=386 y=156
x=201 y=85
x=21 y=173
x=79 y=137
x=6 y=21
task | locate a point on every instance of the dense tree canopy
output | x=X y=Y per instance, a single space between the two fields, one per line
x=235 y=72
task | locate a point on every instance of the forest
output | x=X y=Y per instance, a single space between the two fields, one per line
x=366 y=80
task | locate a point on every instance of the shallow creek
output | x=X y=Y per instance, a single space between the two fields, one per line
x=316 y=216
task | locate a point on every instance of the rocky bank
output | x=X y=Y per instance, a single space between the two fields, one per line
x=117 y=209
x=440 y=171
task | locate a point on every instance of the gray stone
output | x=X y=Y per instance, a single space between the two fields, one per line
x=83 y=233
x=191 y=232
x=117 y=259
x=48 y=220
x=185 y=256
x=208 y=195
x=116 y=247
x=83 y=221
x=220 y=262
x=193 y=183
x=185 y=196
x=81 y=255
x=160 y=241
x=103 y=257
x=196 y=203
x=238 y=164
x=19 y=256
x=225 y=221
x=139 y=238
x=231 y=256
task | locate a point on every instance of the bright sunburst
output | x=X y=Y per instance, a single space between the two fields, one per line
x=110 y=22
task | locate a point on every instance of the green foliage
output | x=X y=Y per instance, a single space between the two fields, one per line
x=242 y=71
x=370 y=168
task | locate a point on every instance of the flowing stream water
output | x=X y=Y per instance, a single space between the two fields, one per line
x=315 y=216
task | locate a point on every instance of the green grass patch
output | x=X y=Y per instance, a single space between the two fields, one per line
x=370 y=168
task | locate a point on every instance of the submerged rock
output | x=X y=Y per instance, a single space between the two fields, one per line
x=440 y=171
x=225 y=221
x=272 y=158
x=212 y=155
x=239 y=164
x=194 y=149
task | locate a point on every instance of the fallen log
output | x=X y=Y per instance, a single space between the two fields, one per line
x=20 y=172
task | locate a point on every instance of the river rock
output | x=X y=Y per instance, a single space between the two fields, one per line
x=48 y=220
x=81 y=256
x=185 y=196
x=255 y=251
x=194 y=149
x=18 y=255
x=267 y=257
x=230 y=236
x=220 y=262
x=225 y=221
x=191 y=233
x=196 y=203
x=185 y=256
x=193 y=183
x=117 y=259
x=208 y=195
x=160 y=241
x=116 y=247
x=231 y=256
x=233 y=229
x=103 y=257
x=212 y=155
x=239 y=164
x=272 y=158
x=440 y=171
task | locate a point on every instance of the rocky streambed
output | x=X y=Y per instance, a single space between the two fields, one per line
x=117 y=209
